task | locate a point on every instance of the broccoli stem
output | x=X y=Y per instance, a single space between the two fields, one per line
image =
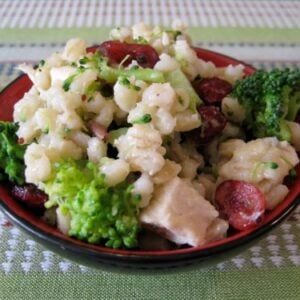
x=111 y=75
x=285 y=133
x=294 y=107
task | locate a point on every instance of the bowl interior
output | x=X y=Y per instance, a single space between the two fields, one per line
x=46 y=233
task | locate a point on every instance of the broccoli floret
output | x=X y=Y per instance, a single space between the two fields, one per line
x=99 y=213
x=270 y=99
x=11 y=154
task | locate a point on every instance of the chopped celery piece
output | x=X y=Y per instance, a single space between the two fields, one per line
x=114 y=134
x=178 y=80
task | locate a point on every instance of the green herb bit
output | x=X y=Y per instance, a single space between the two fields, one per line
x=141 y=40
x=124 y=81
x=92 y=88
x=143 y=120
x=67 y=130
x=175 y=33
x=42 y=63
x=268 y=164
x=293 y=174
x=84 y=60
x=45 y=130
x=67 y=83
x=271 y=164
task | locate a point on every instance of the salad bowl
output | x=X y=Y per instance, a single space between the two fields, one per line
x=117 y=259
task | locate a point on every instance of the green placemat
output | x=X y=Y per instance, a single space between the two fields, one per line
x=265 y=33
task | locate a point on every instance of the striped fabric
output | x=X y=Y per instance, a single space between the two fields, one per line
x=263 y=33
x=92 y=13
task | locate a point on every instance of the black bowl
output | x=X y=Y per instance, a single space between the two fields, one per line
x=103 y=257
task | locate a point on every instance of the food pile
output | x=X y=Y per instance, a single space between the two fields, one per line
x=139 y=133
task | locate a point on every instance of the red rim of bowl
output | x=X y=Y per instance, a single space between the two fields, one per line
x=36 y=227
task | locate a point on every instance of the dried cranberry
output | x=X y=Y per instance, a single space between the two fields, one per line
x=242 y=203
x=116 y=51
x=212 y=90
x=213 y=122
x=30 y=195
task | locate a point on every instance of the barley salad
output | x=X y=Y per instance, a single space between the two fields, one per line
x=139 y=133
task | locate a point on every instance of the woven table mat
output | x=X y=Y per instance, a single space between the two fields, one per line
x=263 y=33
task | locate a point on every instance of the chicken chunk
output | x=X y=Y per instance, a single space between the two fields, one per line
x=187 y=218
